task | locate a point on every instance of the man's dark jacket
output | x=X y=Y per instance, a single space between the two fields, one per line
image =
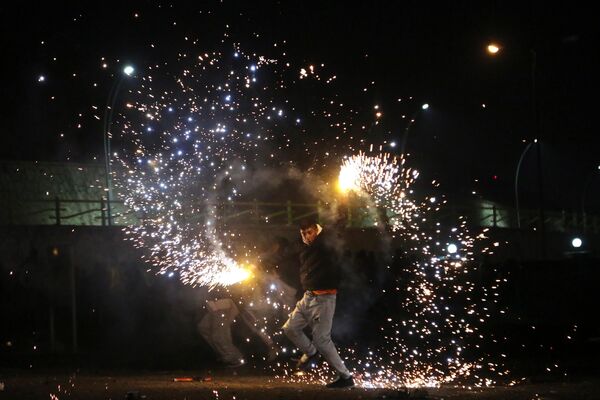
x=319 y=264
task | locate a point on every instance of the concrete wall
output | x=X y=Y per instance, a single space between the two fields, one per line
x=121 y=309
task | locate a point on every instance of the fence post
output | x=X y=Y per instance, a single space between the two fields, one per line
x=102 y=211
x=57 y=210
x=256 y=210
x=494 y=216
x=290 y=217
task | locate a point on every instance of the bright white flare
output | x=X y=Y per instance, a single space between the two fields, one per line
x=349 y=177
x=128 y=70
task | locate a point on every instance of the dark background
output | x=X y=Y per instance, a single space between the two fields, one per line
x=431 y=53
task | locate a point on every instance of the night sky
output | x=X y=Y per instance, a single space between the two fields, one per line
x=414 y=51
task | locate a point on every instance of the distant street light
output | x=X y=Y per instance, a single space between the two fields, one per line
x=493 y=48
x=576 y=242
x=108 y=115
x=128 y=70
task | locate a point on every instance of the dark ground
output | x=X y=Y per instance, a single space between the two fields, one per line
x=250 y=385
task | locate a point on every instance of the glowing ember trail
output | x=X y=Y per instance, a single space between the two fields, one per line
x=187 y=141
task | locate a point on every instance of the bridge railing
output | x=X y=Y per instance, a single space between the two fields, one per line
x=94 y=212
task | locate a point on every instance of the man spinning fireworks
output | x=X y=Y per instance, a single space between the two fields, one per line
x=320 y=278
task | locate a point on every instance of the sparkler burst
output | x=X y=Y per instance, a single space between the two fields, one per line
x=384 y=181
x=189 y=144
x=433 y=336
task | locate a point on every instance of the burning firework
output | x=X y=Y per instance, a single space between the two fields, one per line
x=384 y=181
x=186 y=146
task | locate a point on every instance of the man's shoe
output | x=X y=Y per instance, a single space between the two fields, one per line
x=307 y=362
x=341 y=383
x=234 y=364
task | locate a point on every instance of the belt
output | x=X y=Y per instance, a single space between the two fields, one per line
x=324 y=291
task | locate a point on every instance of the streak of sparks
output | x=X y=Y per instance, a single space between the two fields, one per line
x=434 y=341
x=185 y=150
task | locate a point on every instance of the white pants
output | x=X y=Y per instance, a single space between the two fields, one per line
x=215 y=328
x=316 y=312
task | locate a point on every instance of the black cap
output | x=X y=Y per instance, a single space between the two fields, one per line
x=306 y=223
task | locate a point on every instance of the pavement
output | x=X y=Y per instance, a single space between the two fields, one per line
x=239 y=385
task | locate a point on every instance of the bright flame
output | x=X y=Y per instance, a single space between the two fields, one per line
x=233 y=275
x=348 y=179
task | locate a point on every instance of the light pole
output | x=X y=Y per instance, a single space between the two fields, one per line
x=424 y=107
x=494 y=49
x=517 y=182
x=108 y=114
x=538 y=136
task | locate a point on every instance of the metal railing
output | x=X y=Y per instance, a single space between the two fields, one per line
x=94 y=212
x=65 y=212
